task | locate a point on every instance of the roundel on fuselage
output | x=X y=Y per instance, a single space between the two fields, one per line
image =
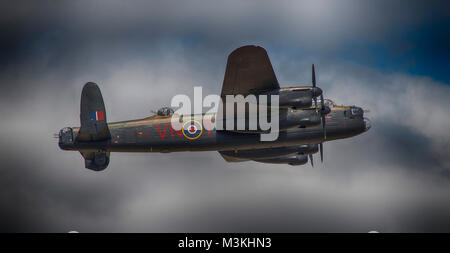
x=192 y=129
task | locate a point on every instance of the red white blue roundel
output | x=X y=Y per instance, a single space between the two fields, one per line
x=192 y=129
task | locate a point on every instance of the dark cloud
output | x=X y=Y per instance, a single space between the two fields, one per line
x=393 y=178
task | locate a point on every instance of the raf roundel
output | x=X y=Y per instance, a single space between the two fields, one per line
x=192 y=129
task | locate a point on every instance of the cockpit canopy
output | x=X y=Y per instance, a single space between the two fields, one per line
x=165 y=111
x=357 y=111
x=329 y=103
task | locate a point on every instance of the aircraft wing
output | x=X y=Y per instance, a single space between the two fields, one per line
x=292 y=155
x=248 y=71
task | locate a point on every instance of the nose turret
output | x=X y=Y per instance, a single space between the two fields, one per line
x=357 y=111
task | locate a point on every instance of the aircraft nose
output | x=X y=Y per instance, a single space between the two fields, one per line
x=367 y=124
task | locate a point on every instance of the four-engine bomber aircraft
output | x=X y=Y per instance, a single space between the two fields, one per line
x=306 y=121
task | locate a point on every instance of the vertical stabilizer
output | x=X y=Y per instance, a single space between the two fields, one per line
x=92 y=115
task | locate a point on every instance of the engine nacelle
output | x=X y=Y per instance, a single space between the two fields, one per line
x=288 y=118
x=298 y=98
x=294 y=97
x=268 y=153
x=293 y=161
x=264 y=153
x=299 y=118
x=299 y=160
x=308 y=149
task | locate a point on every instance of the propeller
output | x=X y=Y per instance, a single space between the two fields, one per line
x=321 y=151
x=312 y=160
x=323 y=113
x=324 y=110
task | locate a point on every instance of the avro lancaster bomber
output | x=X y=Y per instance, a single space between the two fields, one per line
x=306 y=120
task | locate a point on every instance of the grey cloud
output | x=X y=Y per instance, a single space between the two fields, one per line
x=380 y=180
x=315 y=25
x=393 y=178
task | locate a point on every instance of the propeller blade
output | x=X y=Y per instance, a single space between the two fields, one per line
x=314 y=85
x=322 y=114
x=312 y=160
x=321 y=151
x=323 y=126
x=323 y=117
x=313 y=76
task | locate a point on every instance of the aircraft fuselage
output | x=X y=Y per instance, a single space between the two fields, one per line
x=155 y=134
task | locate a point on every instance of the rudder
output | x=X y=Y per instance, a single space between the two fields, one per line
x=94 y=126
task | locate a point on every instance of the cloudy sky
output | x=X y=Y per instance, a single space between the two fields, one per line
x=391 y=57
